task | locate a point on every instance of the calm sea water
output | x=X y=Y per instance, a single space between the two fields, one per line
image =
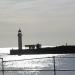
x=35 y=63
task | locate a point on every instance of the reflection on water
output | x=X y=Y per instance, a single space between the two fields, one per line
x=39 y=62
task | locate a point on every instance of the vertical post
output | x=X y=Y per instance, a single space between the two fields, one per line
x=54 y=65
x=2 y=67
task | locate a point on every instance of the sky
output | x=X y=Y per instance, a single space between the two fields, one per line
x=48 y=22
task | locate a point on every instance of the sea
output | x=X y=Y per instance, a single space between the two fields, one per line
x=42 y=64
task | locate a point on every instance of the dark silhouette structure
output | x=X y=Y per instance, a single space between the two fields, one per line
x=37 y=46
x=37 y=49
x=19 y=40
x=30 y=46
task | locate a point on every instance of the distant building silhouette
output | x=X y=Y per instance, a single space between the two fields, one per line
x=30 y=46
x=38 y=46
x=19 y=40
x=37 y=49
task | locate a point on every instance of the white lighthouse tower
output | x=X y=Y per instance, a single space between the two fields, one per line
x=19 y=40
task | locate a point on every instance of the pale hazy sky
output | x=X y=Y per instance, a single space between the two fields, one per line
x=49 y=22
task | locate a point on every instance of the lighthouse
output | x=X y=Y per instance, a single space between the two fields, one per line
x=19 y=40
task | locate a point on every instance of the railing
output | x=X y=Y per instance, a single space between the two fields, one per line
x=50 y=66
